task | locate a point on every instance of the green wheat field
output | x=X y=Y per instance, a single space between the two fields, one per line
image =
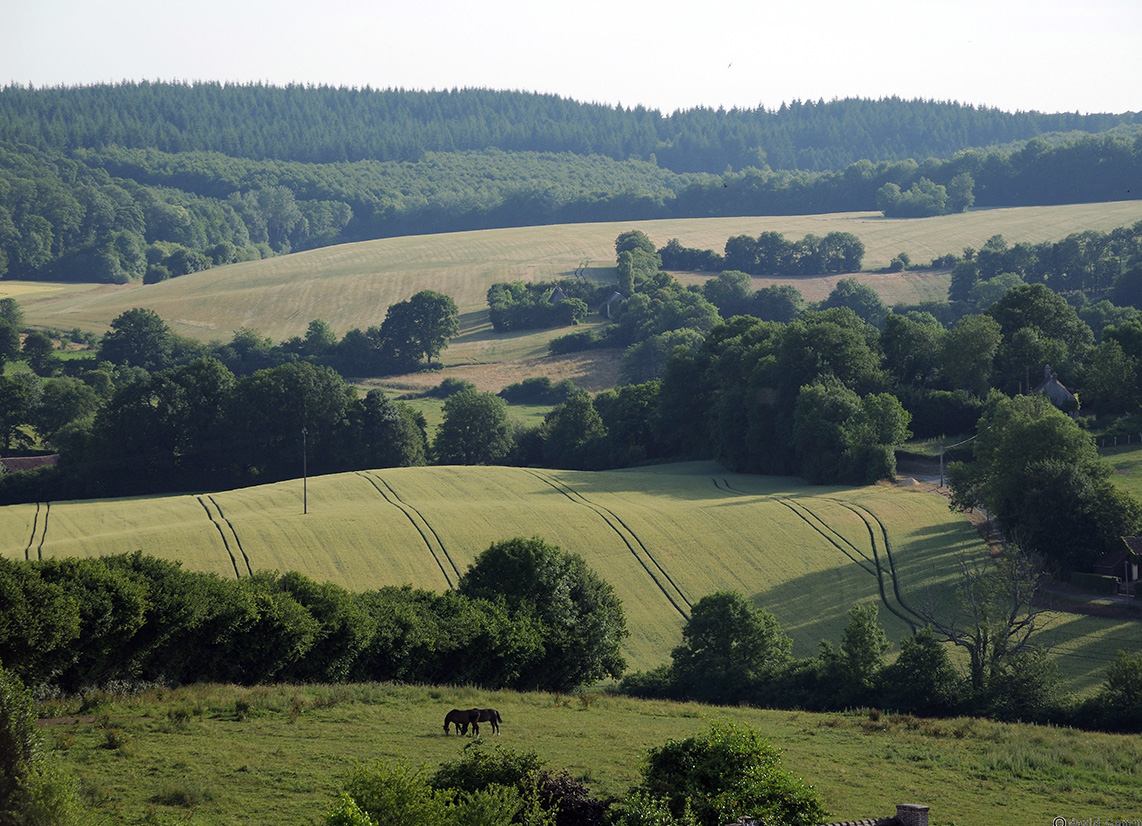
x=663 y=536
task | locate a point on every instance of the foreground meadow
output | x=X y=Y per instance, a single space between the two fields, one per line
x=212 y=754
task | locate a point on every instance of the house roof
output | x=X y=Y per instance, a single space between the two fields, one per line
x=12 y=464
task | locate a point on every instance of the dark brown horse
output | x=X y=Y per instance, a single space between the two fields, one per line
x=462 y=718
x=489 y=715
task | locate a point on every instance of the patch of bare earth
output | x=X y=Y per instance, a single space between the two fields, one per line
x=592 y=370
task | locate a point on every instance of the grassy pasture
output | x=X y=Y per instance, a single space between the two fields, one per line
x=1127 y=463
x=352 y=285
x=663 y=536
x=186 y=756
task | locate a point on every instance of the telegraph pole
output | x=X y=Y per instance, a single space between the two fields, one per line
x=304 y=475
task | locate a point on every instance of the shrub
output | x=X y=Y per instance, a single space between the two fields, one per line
x=573 y=343
x=450 y=387
x=395 y=793
x=33 y=791
x=541 y=795
x=725 y=773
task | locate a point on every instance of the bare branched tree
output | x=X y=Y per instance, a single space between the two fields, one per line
x=995 y=616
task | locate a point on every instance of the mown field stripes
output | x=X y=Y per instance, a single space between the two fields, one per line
x=673 y=593
x=423 y=527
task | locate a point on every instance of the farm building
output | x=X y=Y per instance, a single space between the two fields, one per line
x=1054 y=390
x=1122 y=563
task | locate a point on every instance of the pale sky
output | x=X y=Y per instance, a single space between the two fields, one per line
x=1046 y=55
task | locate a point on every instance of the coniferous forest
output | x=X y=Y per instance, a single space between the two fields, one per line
x=148 y=181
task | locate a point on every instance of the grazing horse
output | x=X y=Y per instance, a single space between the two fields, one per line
x=462 y=717
x=489 y=715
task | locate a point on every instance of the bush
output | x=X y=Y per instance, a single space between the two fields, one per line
x=539 y=390
x=540 y=794
x=573 y=343
x=725 y=773
x=33 y=792
x=450 y=387
x=394 y=793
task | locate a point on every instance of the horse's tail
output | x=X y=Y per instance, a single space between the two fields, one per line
x=499 y=717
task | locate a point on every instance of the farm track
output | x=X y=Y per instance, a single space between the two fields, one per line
x=422 y=525
x=218 y=524
x=646 y=559
x=41 y=527
x=816 y=522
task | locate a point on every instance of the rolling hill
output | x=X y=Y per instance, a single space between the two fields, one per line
x=663 y=536
x=351 y=285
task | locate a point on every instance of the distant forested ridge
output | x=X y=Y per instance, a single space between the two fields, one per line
x=149 y=181
x=323 y=124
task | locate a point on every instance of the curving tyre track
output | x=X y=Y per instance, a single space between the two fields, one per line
x=873 y=566
x=435 y=545
x=645 y=558
x=217 y=524
x=40 y=528
x=865 y=514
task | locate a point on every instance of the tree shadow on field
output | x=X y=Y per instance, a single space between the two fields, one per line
x=815 y=606
x=599 y=275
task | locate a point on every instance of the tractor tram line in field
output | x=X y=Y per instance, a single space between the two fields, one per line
x=221 y=533
x=417 y=519
x=674 y=594
x=869 y=566
x=234 y=533
x=865 y=515
x=860 y=510
x=856 y=554
x=41 y=527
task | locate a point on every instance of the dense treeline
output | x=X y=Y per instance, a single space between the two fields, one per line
x=332 y=125
x=771 y=254
x=81 y=623
x=152 y=181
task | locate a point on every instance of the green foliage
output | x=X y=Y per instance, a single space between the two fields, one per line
x=33 y=791
x=860 y=298
x=393 y=793
x=1121 y=693
x=397 y=793
x=924 y=198
x=1039 y=474
x=418 y=328
x=863 y=647
x=840 y=437
x=476 y=430
x=730 y=651
x=921 y=680
x=582 y=620
x=771 y=254
x=520 y=306
x=641 y=809
x=574 y=435
x=728 y=772
x=539 y=390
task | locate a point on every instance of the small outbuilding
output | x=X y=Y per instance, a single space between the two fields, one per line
x=1054 y=390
